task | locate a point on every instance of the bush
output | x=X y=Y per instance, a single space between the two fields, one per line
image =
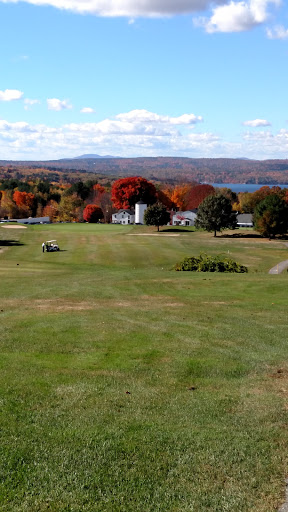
x=206 y=263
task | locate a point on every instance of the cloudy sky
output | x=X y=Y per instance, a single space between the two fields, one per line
x=143 y=78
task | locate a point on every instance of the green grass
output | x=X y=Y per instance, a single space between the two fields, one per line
x=106 y=316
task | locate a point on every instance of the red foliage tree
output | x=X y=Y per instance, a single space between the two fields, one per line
x=99 y=188
x=92 y=213
x=197 y=194
x=128 y=191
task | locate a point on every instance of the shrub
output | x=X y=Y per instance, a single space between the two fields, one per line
x=206 y=263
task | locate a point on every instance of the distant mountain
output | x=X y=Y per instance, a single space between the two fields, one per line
x=83 y=157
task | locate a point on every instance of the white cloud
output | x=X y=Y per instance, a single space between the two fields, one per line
x=55 y=104
x=128 y=8
x=257 y=122
x=237 y=16
x=278 y=32
x=28 y=103
x=10 y=95
x=125 y=135
x=144 y=116
x=138 y=132
x=87 y=110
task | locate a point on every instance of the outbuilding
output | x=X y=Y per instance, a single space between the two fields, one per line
x=245 y=220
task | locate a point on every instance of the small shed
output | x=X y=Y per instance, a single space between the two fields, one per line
x=245 y=220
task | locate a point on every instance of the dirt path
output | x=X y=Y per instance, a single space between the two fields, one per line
x=284 y=507
x=279 y=267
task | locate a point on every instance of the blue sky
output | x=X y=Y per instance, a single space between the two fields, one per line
x=143 y=78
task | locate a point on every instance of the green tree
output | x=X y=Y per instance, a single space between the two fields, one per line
x=215 y=214
x=156 y=215
x=271 y=216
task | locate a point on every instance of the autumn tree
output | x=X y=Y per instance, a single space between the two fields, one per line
x=163 y=197
x=245 y=202
x=215 y=214
x=156 y=215
x=126 y=192
x=25 y=202
x=92 y=213
x=179 y=195
x=197 y=194
x=97 y=193
x=51 y=210
x=229 y=193
x=271 y=216
x=8 y=207
x=70 y=208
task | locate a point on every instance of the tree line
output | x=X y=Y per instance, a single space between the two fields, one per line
x=90 y=201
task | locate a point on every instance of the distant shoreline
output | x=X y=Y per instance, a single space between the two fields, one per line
x=247 y=187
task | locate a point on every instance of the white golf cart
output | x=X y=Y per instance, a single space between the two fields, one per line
x=51 y=246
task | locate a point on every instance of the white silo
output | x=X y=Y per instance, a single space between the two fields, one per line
x=140 y=208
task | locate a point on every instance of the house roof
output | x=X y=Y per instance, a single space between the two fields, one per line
x=131 y=212
x=245 y=218
x=185 y=213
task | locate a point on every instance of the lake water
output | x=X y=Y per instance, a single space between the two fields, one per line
x=245 y=187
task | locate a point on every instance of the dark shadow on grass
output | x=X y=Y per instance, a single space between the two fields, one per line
x=176 y=230
x=253 y=235
x=240 y=235
x=10 y=243
x=53 y=252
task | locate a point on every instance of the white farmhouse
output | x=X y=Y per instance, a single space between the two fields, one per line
x=186 y=218
x=123 y=217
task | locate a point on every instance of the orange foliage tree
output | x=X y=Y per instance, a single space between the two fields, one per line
x=164 y=198
x=179 y=196
x=128 y=191
x=51 y=210
x=24 y=201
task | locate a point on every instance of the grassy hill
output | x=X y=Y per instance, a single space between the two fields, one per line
x=126 y=386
